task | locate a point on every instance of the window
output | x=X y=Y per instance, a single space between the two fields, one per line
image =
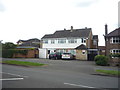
x=72 y=40
x=45 y=41
x=61 y=41
x=115 y=40
x=115 y=51
x=83 y=40
x=52 y=41
x=83 y=52
x=94 y=42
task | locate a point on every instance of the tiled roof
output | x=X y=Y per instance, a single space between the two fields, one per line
x=33 y=39
x=69 y=33
x=81 y=47
x=116 y=32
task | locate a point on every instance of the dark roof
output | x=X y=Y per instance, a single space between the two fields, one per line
x=33 y=39
x=69 y=33
x=116 y=32
x=81 y=47
x=30 y=42
x=95 y=37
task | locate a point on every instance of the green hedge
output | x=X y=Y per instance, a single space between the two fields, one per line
x=10 y=52
x=101 y=60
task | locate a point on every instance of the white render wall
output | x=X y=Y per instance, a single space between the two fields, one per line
x=62 y=45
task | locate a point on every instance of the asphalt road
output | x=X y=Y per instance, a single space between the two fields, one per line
x=57 y=74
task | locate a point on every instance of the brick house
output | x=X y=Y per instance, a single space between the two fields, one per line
x=112 y=43
x=72 y=40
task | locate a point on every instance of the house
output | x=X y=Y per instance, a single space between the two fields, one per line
x=30 y=42
x=112 y=42
x=71 y=40
x=31 y=46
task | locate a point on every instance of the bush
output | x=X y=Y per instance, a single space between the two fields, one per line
x=101 y=60
x=10 y=52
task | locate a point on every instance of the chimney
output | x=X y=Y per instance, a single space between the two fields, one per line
x=71 y=29
x=106 y=29
x=64 y=28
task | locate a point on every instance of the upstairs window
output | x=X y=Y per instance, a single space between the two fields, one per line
x=52 y=41
x=115 y=40
x=83 y=40
x=45 y=41
x=61 y=41
x=72 y=40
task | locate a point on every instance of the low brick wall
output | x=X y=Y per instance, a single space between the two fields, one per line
x=30 y=54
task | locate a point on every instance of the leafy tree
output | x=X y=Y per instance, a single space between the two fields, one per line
x=9 y=45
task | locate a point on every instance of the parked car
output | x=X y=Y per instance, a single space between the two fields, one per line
x=56 y=55
x=68 y=56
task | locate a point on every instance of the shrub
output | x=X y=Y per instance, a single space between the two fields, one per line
x=10 y=52
x=101 y=60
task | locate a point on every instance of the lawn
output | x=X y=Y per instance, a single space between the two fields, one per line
x=23 y=63
x=109 y=72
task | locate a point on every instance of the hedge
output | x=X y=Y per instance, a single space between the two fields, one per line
x=101 y=60
x=9 y=53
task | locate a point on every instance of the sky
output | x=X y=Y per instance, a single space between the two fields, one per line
x=26 y=19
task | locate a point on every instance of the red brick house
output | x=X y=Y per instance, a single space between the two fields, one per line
x=112 y=41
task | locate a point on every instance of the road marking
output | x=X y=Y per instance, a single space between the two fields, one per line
x=14 y=74
x=11 y=79
x=79 y=85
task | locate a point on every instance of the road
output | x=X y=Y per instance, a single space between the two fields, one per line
x=57 y=74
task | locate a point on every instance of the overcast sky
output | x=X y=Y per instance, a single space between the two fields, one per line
x=26 y=19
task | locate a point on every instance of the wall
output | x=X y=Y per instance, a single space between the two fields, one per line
x=30 y=54
x=89 y=43
x=81 y=56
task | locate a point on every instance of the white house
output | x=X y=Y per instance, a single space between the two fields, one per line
x=67 y=40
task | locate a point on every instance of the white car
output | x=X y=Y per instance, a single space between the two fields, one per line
x=67 y=56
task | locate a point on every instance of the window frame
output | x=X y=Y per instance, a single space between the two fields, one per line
x=61 y=41
x=72 y=40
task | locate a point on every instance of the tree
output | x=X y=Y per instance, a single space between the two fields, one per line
x=9 y=45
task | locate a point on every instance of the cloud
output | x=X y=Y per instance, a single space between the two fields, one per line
x=2 y=8
x=86 y=3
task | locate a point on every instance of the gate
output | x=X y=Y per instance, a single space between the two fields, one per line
x=92 y=54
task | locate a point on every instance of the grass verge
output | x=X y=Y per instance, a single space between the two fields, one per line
x=109 y=72
x=23 y=63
